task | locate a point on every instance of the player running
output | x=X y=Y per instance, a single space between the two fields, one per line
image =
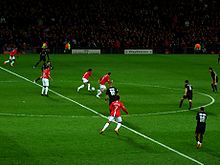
x=115 y=113
x=85 y=80
x=104 y=79
x=188 y=94
x=200 y=127
x=11 y=59
x=214 y=77
x=43 y=55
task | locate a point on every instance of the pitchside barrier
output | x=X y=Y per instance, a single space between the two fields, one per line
x=138 y=51
x=86 y=51
x=98 y=51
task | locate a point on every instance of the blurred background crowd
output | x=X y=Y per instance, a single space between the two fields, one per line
x=173 y=26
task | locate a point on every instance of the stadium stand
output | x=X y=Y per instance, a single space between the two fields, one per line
x=172 y=26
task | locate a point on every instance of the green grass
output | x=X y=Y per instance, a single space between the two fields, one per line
x=55 y=130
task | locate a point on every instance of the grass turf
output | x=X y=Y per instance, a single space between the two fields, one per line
x=54 y=130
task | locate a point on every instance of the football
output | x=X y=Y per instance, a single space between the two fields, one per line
x=93 y=88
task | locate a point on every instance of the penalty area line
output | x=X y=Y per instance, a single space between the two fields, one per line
x=99 y=114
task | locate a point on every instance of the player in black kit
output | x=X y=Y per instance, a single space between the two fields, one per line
x=111 y=94
x=43 y=55
x=201 y=125
x=214 y=77
x=188 y=94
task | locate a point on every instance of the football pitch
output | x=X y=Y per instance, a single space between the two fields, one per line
x=63 y=129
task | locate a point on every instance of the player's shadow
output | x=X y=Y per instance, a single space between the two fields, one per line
x=133 y=143
x=135 y=127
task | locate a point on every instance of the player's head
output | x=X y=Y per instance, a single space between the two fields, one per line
x=186 y=81
x=202 y=109
x=210 y=69
x=109 y=73
x=89 y=70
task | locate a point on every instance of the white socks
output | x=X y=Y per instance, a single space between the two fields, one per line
x=44 y=90
x=118 y=126
x=105 y=126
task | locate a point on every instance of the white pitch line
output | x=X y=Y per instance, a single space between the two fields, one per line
x=44 y=116
x=168 y=112
x=99 y=114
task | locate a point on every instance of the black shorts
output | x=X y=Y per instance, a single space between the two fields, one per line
x=188 y=96
x=43 y=58
x=200 y=129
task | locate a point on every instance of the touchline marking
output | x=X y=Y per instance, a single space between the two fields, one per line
x=99 y=114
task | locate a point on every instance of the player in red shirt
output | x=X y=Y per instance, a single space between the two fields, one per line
x=85 y=79
x=11 y=57
x=45 y=81
x=104 y=79
x=115 y=113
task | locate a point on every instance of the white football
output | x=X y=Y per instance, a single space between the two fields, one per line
x=93 y=88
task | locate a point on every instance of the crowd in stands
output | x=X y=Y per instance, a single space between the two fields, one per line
x=171 y=25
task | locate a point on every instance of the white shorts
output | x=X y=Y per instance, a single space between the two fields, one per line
x=118 y=119
x=102 y=87
x=11 y=57
x=85 y=80
x=45 y=82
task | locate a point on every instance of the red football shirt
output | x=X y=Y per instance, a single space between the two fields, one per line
x=87 y=75
x=46 y=73
x=115 y=108
x=13 y=52
x=104 y=79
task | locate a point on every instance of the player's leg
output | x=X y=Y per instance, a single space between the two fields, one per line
x=46 y=87
x=37 y=79
x=202 y=131
x=12 y=61
x=101 y=90
x=43 y=87
x=7 y=61
x=80 y=87
x=89 y=86
x=83 y=85
x=197 y=133
x=197 y=136
x=110 y=119
x=181 y=102
x=119 y=120
x=215 y=86
x=190 y=104
x=42 y=91
x=37 y=63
